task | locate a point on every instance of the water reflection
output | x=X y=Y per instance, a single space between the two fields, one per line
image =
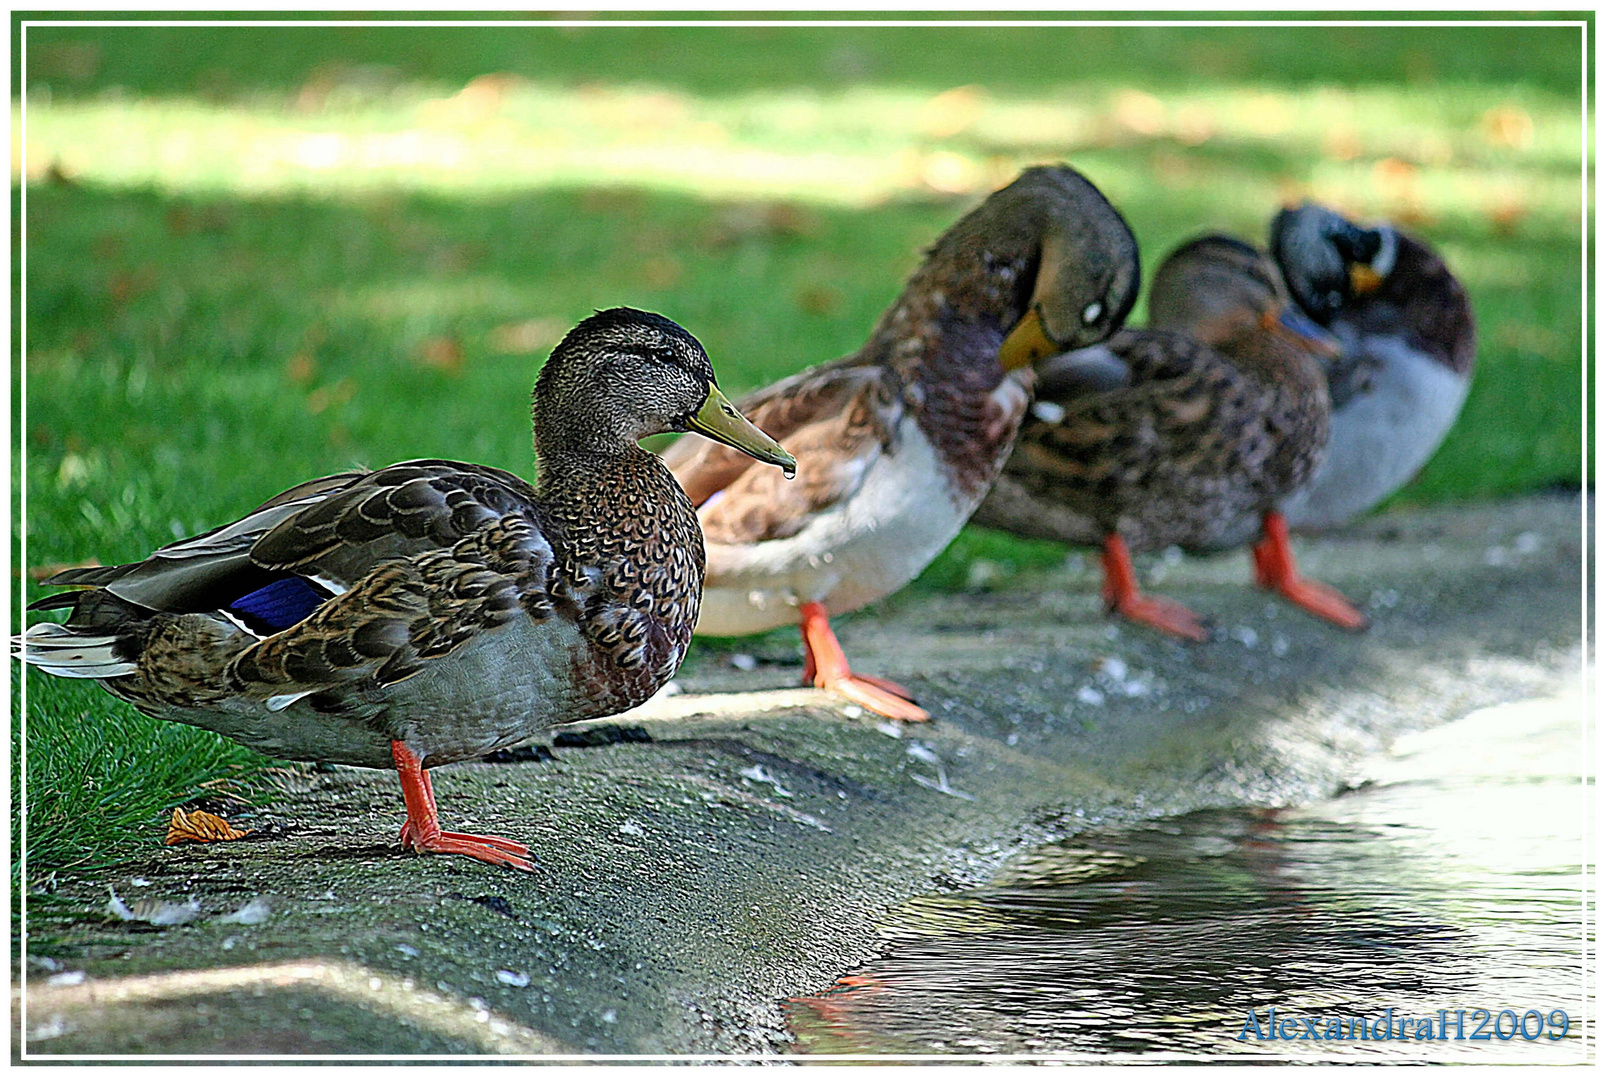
x=1452 y=883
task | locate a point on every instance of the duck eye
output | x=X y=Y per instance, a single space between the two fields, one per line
x=1093 y=312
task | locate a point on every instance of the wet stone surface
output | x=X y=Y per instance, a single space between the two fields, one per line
x=688 y=885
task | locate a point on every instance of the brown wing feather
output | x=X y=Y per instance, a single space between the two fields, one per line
x=833 y=457
x=336 y=528
x=400 y=616
x=401 y=510
x=1190 y=431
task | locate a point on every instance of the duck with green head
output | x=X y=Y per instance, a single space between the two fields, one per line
x=1407 y=335
x=432 y=611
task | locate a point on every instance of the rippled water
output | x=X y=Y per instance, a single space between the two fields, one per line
x=1454 y=881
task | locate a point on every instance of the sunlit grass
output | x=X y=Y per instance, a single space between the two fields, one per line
x=1452 y=150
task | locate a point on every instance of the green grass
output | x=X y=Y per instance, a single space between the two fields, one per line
x=101 y=777
x=256 y=256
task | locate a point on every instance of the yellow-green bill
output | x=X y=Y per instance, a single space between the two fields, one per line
x=719 y=419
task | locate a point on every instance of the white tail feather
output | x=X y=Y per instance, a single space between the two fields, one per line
x=60 y=651
x=103 y=671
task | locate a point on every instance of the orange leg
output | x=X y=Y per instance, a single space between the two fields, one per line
x=827 y=667
x=406 y=835
x=1122 y=595
x=422 y=832
x=1275 y=567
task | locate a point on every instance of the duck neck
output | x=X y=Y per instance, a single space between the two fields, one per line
x=956 y=310
x=603 y=508
x=569 y=471
x=562 y=426
x=942 y=340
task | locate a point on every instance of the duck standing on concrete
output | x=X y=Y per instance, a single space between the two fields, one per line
x=1407 y=336
x=898 y=442
x=432 y=611
x=1168 y=435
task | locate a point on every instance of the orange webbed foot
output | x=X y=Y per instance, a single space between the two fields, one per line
x=1123 y=596
x=827 y=667
x=422 y=832
x=491 y=849
x=868 y=694
x=1321 y=600
x=1275 y=569
x=513 y=847
x=1163 y=615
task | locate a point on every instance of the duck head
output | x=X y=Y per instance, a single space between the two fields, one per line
x=1227 y=294
x=1086 y=264
x=1326 y=259
x=623 y=375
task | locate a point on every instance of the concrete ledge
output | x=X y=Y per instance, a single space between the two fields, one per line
x=747 y=854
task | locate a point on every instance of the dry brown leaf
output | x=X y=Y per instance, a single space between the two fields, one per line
x=819 y=299
x=300 y=369
x=952 y=112
x=335 y=394
x=1506 y=212
x=125 y=286
x=200 y=827
x=1508 y=126
x=1395 y=177
x=766 y=221
x=661 y=271
x=443 y=353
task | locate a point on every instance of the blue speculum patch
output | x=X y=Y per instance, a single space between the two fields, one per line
x=281 y=604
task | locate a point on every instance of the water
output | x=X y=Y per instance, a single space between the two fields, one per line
x=1454 y=881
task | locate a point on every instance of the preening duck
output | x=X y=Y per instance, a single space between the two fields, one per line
x=1407 y=336
x=898 y=442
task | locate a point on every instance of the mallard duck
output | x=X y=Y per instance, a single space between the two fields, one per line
x=1167 y=435
x=898 y=442
x=1407 y=336
x=432 y=611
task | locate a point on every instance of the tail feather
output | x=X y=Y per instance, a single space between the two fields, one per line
x=55 y=602
x=87 y=575
x=78 y=577
x=71 y=653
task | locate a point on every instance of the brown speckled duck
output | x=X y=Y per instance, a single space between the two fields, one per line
x=432 y=611
x=1166 y=436
x=898 y=442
